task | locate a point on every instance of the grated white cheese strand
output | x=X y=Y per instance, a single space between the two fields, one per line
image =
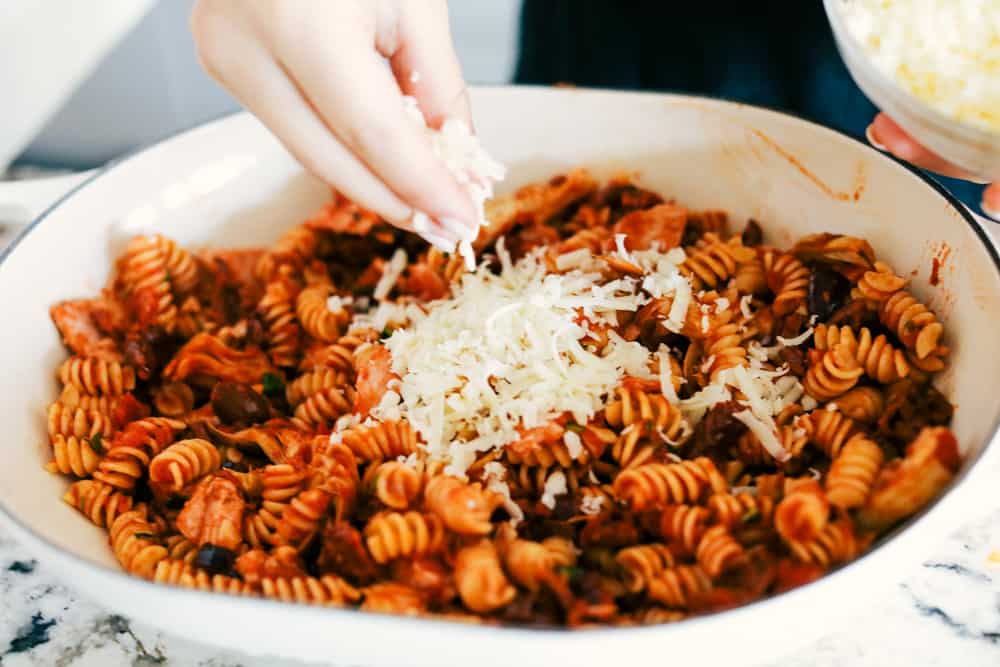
x=393 y=270
x=666 y=373
x=574 y=445
x=555 y=485
x=798 y=340
x=494 y=473
x=591 y=505
x=767 y=437
x=474 y=169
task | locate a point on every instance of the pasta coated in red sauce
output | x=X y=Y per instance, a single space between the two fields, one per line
x=201 y=391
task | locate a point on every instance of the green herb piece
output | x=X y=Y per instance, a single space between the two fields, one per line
x=751 y=515
x=571 y=571
x=385 y=333
x=97 y=443
x=273 y=386
x=143 y=536
x=576 y=428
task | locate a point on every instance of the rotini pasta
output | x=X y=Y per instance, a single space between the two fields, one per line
x=626 y=415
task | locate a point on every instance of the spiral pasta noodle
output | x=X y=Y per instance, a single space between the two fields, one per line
x=836 y=372
x=480 y=579
x=787 y=278
x=683 y=420
x=144 y=272
x=397 y=485
x=96 y=377
x=863 y=404
x=73 y=456
x=77 y=422
x=135 y=544
x=387 y=440
x=464 y=508
x=99 y=502
x=852 y=473
x=392 y=535
x=680 y=587
x=328 y=590
x=730 y=510
x=656 y=484
x=684 y=525
x=711 y=263
x=802 y=514
x=640 y=564
x=314 y=382
x=875 y=287
x=132 y=450
x=277 y=310
x=183 y=462
x=916 y=325
x=880 y=360
x=323 y=408
x=717 y=551
x=316 y=318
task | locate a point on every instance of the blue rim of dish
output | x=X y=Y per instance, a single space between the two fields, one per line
x=296 y=608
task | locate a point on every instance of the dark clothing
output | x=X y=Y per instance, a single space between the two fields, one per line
x=774 y=53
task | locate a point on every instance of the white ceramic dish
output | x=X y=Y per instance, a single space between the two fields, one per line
x=231 y=183
x=974 y=149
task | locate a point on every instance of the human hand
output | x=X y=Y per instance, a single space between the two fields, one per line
x=884 y=134
x=315 y=73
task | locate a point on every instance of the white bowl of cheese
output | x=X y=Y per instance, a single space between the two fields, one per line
x=934 y=67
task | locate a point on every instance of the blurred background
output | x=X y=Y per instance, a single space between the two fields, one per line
x=150 y=84
x=145 y=83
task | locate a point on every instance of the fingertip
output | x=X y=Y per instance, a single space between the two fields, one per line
x=991 y=201
x=872 y=138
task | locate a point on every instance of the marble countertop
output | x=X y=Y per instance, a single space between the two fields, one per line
x=945 y=612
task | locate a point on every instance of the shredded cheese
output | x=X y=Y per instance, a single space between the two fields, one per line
x=504 y=353
x=493 y=478
x=393 y=270
x=574 y=445
x=555 y=485
x=474 y=169
x=764 y=434
x=591 y=505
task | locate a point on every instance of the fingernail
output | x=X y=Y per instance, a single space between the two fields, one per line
x=870 y=136
x=421 y=222
x=442 y=243
x=462 y=229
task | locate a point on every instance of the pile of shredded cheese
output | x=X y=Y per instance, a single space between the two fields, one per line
x=474 y=169
x=510 y=351
x=945 y=52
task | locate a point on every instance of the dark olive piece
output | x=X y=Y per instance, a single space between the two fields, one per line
x=215 y=559
x=236 y=403
x=827 y=292
x=752 y=234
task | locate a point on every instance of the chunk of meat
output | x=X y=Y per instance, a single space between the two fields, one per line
x=374 y=368
x=214 y=514
x=906 y=485
x=79 y=329
x=663 y=224
x=537 y=202
x=343 y=553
